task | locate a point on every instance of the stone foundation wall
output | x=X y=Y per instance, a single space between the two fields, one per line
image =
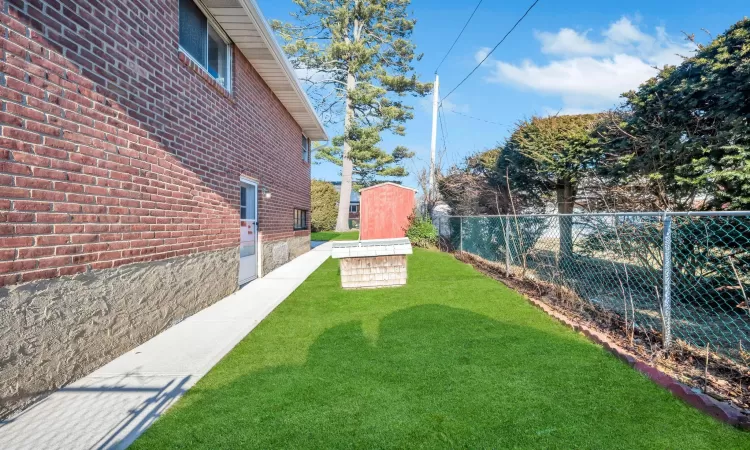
x=373 y=271
x=55 y=331
x=277 y=253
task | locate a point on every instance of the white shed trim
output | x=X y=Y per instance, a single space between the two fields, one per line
x=388 y=183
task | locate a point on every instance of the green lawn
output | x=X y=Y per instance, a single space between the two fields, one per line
x=452 y=360
x=335 y=236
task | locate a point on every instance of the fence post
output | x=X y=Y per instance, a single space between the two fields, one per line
x=507 y=247
x=667 y=282
x=461 y=235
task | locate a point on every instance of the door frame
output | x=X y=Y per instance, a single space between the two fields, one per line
x=247 y=180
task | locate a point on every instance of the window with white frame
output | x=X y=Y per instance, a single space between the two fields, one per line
x=354 y=208
x=205 y=42
x=305 y=149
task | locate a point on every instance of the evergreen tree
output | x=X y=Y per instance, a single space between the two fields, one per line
x=551 y=155
x=357 y=56
x=324 y=200
x=687 y=130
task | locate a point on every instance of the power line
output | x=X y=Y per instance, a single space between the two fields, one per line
x=440 y=117
x=493 y=49
x=444 y=126
x=459 y=36
x=442 y=132
x=475 y=118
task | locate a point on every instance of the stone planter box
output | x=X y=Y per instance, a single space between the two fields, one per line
x=372 y=264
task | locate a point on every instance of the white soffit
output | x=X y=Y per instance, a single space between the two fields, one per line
x=245 y=25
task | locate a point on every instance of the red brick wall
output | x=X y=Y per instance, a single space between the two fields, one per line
x=114 y=150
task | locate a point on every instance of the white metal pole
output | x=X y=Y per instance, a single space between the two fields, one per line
x=461 y=234
x=507 y=246
x=433 y=144
x=667 y=283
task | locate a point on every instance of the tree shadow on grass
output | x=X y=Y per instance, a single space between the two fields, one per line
x=440 y=377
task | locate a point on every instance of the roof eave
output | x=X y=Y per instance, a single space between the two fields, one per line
x=315 y=129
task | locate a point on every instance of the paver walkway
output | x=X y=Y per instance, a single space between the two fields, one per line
x=113 y=405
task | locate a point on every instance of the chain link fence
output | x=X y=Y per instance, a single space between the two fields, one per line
x=685 y=276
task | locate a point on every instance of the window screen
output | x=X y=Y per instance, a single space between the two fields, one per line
x=200 y=40
x=305 y=149
x=247 y=202
x=300 y=219
x=243 y=203
x=193 y=30
x=218 y=56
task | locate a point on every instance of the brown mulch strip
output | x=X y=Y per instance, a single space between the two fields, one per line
x=721 y=389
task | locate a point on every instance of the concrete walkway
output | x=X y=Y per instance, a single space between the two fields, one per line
x=112 y=406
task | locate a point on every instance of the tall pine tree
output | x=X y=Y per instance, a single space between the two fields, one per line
x=357 y=56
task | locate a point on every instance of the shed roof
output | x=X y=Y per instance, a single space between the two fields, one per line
x=387 y=184
x=245 y=25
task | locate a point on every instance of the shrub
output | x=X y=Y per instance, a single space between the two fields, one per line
x=324 y=199
x=421 y=232
x=687 y=131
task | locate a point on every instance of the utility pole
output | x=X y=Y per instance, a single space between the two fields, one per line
x=433 y=145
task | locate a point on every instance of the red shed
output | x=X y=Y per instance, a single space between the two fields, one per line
x=385 y=210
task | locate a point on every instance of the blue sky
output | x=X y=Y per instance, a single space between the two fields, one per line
x=569 y=57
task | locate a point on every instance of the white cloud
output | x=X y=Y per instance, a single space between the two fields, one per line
x=624 y=32
x=621 y=37
x=568 y=42
x=591 y=74
x=481 y=54
x=583 y=81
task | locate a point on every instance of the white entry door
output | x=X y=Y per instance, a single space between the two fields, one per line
x=248 y=231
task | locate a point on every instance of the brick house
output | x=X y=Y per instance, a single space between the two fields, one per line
x=354 y=205
x=154 y=155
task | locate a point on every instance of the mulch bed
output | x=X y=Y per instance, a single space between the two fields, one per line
x=720 y=388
